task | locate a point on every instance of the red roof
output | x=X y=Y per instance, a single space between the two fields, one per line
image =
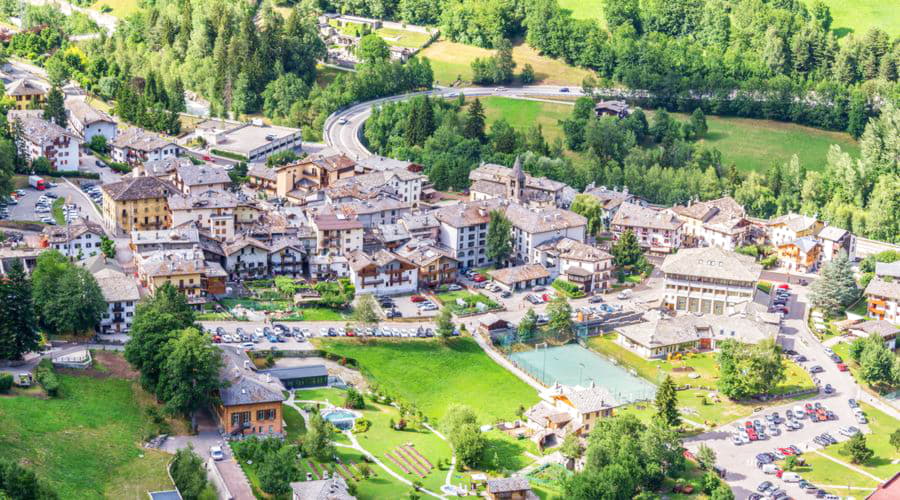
x=889 y=490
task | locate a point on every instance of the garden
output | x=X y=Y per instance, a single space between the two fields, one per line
x=470 y=301
x=325 y=301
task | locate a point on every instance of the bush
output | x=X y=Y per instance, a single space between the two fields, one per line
x=47 y=378
x=188 y=473
x=567 y=288
x=361 y=425
x=6 y=382
x=122 y=168
x=354 y=400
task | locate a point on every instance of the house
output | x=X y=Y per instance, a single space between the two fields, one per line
x=250 y=141
x=800 y=255
x=42 y=138
x=24 y=255
x=334 y=488
x=137 y=203
x=494 y=327
x=435 y=262
x=565 y=410
x=89 y=122
x=382 y=273
x=286 y=257
x=187 y=271
x=618 y=109
x=834 y=240
x=587 y=266
x=888 y=490
x=120 y=292
x=135 y=146
x=664 y=334
x=246 y=257
x=709 y=280
x=721 y=223
x=164 y=169
x=181 y=237
x=883 y=298
x=76 y=241
x=216 y=211
x=190 y=178
x=312 y=173
x=27 y=94
x=510 y=488
x=328 y=267
x=884 y=329
x=532 y=227
x=249 y=404
x=491 y=181
x=300 y=376
x=611 y=199
x=521 y=277
x=263 y=178
x=789 y=228
x=423 y=226
x=657 y=231
x=375 y=211
x=404 y=184
x=337 y=235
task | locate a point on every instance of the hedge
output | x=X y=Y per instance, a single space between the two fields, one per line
x=226 y=154
x=567 y=288
x=47 y=378
x=6 y=382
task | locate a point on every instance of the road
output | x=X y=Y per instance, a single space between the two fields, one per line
x=105 y=21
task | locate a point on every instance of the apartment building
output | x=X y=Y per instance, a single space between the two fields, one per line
x=382 y=273
x=138 y=203
x=436 y=264
x=246 y=257
x=801 y=255
x=587 y=266
x=405 y=185
x=216 y=211
x=789 y=228
x=186 y=270
x=26 y=94
x=657 y=231
x=883 y=292
x=77 y=240
x=190 y=178
x=709 y=280
x=120 y=292
x=491 y=181
x=834 y=240
x=89 y=122
x=135 y=146
x=46 y=139
x=720 y=223
x=337 y=235
x=300 y=178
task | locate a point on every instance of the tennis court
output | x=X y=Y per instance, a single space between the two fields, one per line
x=573 y=365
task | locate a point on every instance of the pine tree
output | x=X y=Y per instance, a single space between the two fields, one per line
x=499 y=237
x=857 y=449
x=55 y=109
x=836 y=288
x=18 y=326
x=474 y=125
x=698 y=122
x=667 y=403
x=626 y=250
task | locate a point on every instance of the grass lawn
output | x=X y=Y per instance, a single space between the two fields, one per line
x=432 y=375
x=296 y=426
x=120 y=8
x=451 y=60
x=822 y=471
x=56 y=209
x=448 y=299
x=403 y=38
x=860 y=308
x=523 y=114
x=327 y=74
x=85 y=443
x=585 y=9
x=857 y=16
x=330 y=394
x=881 y=425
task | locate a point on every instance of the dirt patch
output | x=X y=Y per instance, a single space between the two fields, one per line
x=106 y=364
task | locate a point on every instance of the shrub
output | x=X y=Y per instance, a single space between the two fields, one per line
x=6 y=381
x=47 y=378
x=567 y=288
x=354 y=399
x=361 y=425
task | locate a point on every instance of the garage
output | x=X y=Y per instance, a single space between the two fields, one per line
x=301 y=376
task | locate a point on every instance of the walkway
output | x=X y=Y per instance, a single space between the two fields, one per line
x=505 y=362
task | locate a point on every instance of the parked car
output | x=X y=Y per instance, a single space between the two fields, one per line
x=595 y=299
x=828 y=389
x=454 y=288
x=816 y=369
x=417 y=298
x=478 y=278
x=216 y=453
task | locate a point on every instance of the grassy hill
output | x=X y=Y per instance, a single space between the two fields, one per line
x=857 y=16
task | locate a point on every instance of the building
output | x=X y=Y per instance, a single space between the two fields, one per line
x=790 y=227
x=302 y=177
x=218 y=212
x=657 y=231
x=328 y=267
x=46 y=139
x=246 y=257
x=300 y=376
x=263 y=178
x=135 y=146
x=510 y=488
x=382 y=273
x=375 y=211
x=884 y=329
x=286 y=257
x=709 y=280
x=565 y=410
x=423 y=226
x=719 y=223
x=521 y=277
x=587 y=266
x=190 y=178
x=120 y=292
x=800 y=255
x=137 y=203
x=611 y=199
x=76 y=241
x=164 y=169
x=27 y=94
x=24 y=255
x=491 y=181
x=180 y=237
x=334 y=488
x=337 y=235
x=436 y=264
x=883 y=298
x=89 y=122
x=406 y=185
x=888 y=490
x=664 y=334
x=619 y=109
x=248 y=403
x=250 y=141
x=187 y=271
x=834 y=240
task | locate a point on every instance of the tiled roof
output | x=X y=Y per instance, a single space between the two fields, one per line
x=84 y=113
x=243 y=242
x=210 y=198
x=139 y=188
x=567 y=248
x=261 y=171
x=832 y=233
x=663 y=330
x=631 y=215
x=198 y=175
x=116 y=286
x=882 y=288
x=24 y=87
x=359 y=260
x=140 y=140
x=891 y=269
x=878 y=326
x=517 y=274
x=329 y=222
x=244 y=391
x=712 y=262
x=332 y=163
x=507 y=485
x=794 y=222
x=65 y=234
x=499 y=174
x=806 y=243
x=163 y=168
x=722 y=209
x=40 y=131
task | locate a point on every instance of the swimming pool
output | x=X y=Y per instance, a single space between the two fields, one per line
x=573 y=365
x=342 y=419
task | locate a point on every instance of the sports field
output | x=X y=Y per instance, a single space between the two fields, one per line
x=857 y=16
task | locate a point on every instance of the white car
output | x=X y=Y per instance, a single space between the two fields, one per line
x=736 y=440
x=848 y=430
x=342 y=121
x=216 y=453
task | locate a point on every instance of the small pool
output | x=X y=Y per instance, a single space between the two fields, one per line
x=342 y=419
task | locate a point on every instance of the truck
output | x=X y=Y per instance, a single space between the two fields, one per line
x=36 y=182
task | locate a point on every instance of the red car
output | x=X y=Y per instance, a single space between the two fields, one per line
x=478 y=278
x=207 y=158
x=786 y=451
x=546 y=297
x=842 y=367
x=417 y=298
x=748 y=424
x=217 y=339
x=784 y=286
x=751 y=433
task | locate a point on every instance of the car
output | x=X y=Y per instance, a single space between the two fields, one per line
x=852 y=403
x=736 y=440
x=770 y=417
x=454 y=288
x=752 y=435
x=216 y=453
x=784 y=286
x=860 y=418
x=829 y=437
x=417 y=298
x=539 y=288
x=247 y=345
x=564 y=89
x=836 y=358
x=343 y=121
x=765 y=458
x=828 y=389
x=764 y=486
x=479 y=278
x=820 y=493
x=595 y=299
x=842 y=367
x=816 y=369
x=849 y=430
x=624 y=294
x=787 y=451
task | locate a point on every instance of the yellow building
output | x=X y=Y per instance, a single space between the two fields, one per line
x=139 y=203
x=26 y=94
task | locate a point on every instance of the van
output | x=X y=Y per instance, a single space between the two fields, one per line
x=790 y=477
x=770 y=468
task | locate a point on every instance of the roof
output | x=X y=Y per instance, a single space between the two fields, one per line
x=116 y=286
x=723 y=214
x=138 y=188
x=832 y=233
x=334 y=488
x=517 y=274
x=424 y=252
x=467 y=214
x=244 y=139
x=567 y=248
x=140 y=140
x=179 y=262
x=330 y=222
x=499 y=174
x=24 y=86
x=244 y=391
x=794 y=222
x=664 y=330
x=523 y=218
x=507 y=485
x=84 y=113
x=417 y=222
x=713 y=263
x=183 y=234
x=38 y=130
x=331 y=163
x=65 y=234
x=243 y=242
x=877 y=326
x=163 y=168
x=356 y=208
x=610 y=198
x=882 y=288
x=298 y=372
x=261 y=171
x=806 y=243
x=207 y=199
x=359 y=260
x=632 y=215
x=616 y=106
x=888 y=490
x=165 y=495
x=594 y=398
x=198 y=175
x=891 y=269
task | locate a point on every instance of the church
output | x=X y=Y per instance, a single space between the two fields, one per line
x=491 y=181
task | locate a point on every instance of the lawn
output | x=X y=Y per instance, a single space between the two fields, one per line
x=327 y=74
x=523 y=114
x=295 y=424
x=432 y=375
x=56 y=209
x=822 y=471
x=316 y=314
x=120 y=8
x=881 y=425
x=857 y=16
x=448 y=299
x=403 y=38
x=330 y=394
x=85 y=443
x=451 y=60
x=585 y=9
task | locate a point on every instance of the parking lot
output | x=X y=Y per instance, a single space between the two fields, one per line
x=411 y=306
x=25 y=207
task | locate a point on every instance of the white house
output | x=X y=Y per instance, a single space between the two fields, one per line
x=382 y=273
x=136 y=146
x=119 y=291
x=584 y=265
x=78 y=239
x=47 y=139
x=709 y=280
x=719 y=223
x=246 y=257
x=833 y=241
x=88 y=122
x=286 y=257
x=658 y=231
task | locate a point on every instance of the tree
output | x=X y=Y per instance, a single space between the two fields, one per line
x=559 y=319
x=190 y=374
x=277 y=470
x=18 y=325
x=444 y=324
x=626 y=251
x=836 y=287
x=54 y=108
x=528 y=326
x=364 y=312
x=667 y=403
x=319 y=439
x=790 y=463
x=373 y=49
x=188 y=473
x=571 y=447
x=354 y=399
x=589 y=207
x=527 y=74
x=17 y=482
x=67 y=299
x=499 y=237
x=608 y=139
x=876 y=362
x=856 y=447
x=473 y=127
x=698 y=123
x=748 y=370
x=706 y=456
x=895 y=439
x=461 y=426
x=108 y=247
